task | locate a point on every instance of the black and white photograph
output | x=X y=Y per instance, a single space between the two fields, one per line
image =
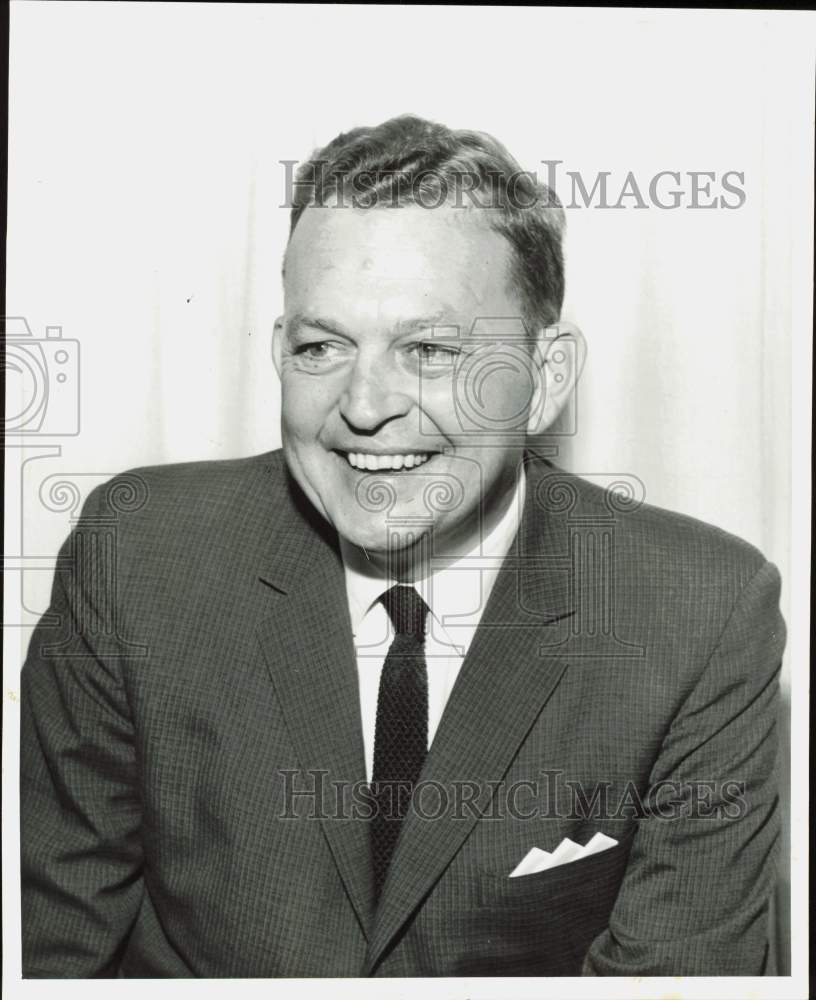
x=407 y=500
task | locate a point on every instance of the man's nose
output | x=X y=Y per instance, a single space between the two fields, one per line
x=374 y=394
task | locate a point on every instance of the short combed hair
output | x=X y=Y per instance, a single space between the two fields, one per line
x=409 y=160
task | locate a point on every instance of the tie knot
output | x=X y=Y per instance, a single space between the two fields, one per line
x=406 y=609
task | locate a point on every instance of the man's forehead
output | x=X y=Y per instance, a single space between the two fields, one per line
x=445 y=256
x=384 y=239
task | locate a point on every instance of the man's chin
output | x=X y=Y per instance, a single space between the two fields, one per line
x=380 y=541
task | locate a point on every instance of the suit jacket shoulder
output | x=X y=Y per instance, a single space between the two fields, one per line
x=663 y=543
x=654 y=578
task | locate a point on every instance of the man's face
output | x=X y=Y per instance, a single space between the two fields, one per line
x=390 y=423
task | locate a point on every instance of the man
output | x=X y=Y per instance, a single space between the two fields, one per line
x=304 y=714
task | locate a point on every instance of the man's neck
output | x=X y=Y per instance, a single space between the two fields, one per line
x=432 y=551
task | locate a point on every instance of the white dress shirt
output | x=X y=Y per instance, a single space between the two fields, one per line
x=456 y=594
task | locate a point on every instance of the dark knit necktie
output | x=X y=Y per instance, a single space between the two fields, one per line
x=401 y=733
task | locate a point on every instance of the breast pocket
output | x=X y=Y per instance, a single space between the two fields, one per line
x=543 y=924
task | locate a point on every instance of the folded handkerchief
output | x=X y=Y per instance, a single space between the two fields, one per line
x=537 y=860
x=598 y=842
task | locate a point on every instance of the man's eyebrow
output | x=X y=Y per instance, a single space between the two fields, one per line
x=327 y=325
x=423 y=322
x=316 y=323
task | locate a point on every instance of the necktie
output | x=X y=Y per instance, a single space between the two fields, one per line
x=401 y=728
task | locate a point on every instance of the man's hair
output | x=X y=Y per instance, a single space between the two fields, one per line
x=412 y=161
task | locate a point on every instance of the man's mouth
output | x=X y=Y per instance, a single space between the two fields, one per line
x=370 y=462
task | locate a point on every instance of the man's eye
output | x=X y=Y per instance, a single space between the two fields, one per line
x=317 y=350
x=430 y=353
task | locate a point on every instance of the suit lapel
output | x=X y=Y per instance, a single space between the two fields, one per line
x=308 y=646
x=506 y=679
x=510 y=672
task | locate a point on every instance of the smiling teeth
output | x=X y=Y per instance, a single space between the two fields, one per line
x=361 y=460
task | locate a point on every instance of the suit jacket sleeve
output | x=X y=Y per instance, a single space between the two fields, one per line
x=695 y=895
x=80 y=808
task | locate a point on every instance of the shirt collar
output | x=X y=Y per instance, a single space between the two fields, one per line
x=364 y=584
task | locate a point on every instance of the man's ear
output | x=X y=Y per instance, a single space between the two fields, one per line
x=559 y=355
x=277 y=344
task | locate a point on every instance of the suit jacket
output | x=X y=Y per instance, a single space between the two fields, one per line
x=190 y=710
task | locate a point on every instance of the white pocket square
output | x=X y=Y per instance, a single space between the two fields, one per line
x=536 y=860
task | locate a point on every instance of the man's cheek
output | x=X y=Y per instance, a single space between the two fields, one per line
x=310 y=400
x=302 y=415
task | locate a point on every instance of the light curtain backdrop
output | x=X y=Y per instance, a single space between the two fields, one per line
x=145 y=220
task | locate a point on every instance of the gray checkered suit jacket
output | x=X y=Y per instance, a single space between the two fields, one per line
x=190 y=709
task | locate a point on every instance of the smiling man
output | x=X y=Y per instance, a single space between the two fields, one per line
x=402 y=699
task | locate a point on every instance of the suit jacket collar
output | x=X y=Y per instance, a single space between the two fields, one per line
x=303 y=542
x=503 y=685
